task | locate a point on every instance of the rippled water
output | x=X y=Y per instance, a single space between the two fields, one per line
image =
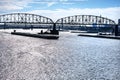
x=71 y=57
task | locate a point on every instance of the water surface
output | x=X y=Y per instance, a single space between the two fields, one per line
x=71 y=57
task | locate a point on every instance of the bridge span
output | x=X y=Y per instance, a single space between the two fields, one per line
x=26 y=20
x=78 y=21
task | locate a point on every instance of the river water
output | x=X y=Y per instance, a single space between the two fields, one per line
x=71 y=57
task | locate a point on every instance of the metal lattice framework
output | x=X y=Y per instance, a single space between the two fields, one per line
x=25 y=18
x=85 y=20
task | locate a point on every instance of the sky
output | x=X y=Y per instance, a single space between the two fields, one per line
x=56 y=9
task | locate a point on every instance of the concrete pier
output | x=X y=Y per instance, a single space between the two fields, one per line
x=116 y=30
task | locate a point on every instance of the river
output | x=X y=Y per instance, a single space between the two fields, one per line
x=71 y=57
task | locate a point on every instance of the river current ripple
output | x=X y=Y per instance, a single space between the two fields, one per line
x=71 y=57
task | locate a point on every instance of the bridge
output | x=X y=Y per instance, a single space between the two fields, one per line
x=84 y=20
x=26 y=20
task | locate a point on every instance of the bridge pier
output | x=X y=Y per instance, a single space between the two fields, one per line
x=116 y=30
x=54 y=31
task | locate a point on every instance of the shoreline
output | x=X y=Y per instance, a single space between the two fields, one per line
x=101 y=36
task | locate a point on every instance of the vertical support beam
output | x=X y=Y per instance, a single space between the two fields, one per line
x=89 y=19
x=40 y=19
x=54 y=26
x=10 y=17
x=14 y=18
x=18 y=18
x=82 y=19
x=76 y=19
x=25 y=16
x=116 y=30
x=47 y=21
x=4 y=21
x=33 y=18
x=96 y=20
x=68 y=19
x=4 y=25
x=62 y=23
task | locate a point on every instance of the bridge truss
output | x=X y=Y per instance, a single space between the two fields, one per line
x=25 y=19
x=84 y=20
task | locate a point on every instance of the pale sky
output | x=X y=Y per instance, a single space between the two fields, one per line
x=56 y=9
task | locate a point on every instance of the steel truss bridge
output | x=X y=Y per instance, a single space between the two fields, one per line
x=25 y=20
x=85 y=20
x=80 y=21
x=29 y=20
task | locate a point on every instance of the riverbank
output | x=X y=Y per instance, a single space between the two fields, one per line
x=99 y=36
